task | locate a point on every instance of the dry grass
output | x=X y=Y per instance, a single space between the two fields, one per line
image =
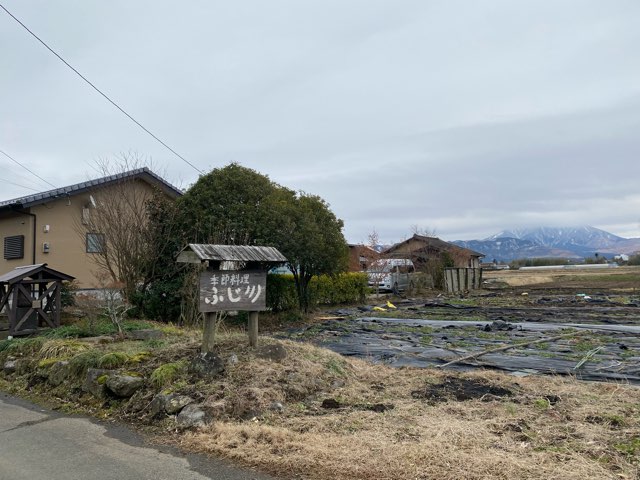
x=528 y=435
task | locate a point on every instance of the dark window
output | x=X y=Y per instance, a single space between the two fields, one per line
x=14 y=247
x=95 y=242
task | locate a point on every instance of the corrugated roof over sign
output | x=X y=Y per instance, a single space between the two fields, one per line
x=236 y=253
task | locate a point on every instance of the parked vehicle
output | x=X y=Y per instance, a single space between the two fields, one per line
x=391 y=274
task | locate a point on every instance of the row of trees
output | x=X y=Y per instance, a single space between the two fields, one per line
x=233 y=205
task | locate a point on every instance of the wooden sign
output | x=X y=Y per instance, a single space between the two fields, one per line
x=224 y=290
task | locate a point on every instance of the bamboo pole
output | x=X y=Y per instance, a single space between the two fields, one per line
x=508 y=347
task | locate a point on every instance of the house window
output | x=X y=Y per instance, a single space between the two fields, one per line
x=14 y=247
x=95 y=243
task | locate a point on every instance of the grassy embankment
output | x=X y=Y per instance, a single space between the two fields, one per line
x=388 y=424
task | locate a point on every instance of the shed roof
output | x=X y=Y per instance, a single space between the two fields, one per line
x=233 y=253
x=29 y=271
x=139 y=173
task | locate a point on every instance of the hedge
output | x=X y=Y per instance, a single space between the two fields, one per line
x=323 y=290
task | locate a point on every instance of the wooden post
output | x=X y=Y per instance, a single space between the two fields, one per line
x=209 y=332
x=253 y=329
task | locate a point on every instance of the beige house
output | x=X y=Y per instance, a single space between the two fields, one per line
x=53 y=227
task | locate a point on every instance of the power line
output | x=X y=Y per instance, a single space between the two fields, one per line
x=30 y=171
x=18 y=185
x=101 y=93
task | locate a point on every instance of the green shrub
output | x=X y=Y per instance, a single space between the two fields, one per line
x=67 y=293
x=338 y=289
x=323 y=290
x=281 y=293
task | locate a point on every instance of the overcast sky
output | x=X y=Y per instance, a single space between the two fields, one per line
x=463 y=117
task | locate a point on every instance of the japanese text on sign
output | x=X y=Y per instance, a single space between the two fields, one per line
x=232 y=290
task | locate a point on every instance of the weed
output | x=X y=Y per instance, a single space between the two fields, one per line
x=336 y=367
x=172 y=330
x=630 y=448
x=140 y=357
x=48 y=362
x=584 y=345
x=167 y=373
x=542 y=403
x=154 y=343
x=24 y=347
x=61 y=349
x=113 y=360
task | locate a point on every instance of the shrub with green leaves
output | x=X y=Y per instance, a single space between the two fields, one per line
x=323 y=290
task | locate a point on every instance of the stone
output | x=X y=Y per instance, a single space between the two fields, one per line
x=191 y=416
x=232 y=360
x=208 y=364
x=276 y=407
x=102 y=339
x=169 y=403
x=156 y=406
x=274 y=352
x=147 y=334
x=94 y=383
x=58 y=373
x=124 y=385
x=330 y=403
x=174 y=403
x=10 y=367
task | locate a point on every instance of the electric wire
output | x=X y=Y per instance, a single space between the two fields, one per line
x=101 y=92
x=27 y=169
x=18 y=185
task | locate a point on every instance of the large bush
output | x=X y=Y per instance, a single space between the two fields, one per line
x=323 y=290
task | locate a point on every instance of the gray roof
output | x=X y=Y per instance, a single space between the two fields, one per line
x=141 y=173
x=236 y=253
x=26 y=271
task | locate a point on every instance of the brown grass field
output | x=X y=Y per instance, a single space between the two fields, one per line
x=538 y=427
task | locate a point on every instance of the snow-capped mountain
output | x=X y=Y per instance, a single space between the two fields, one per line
x=565 y=242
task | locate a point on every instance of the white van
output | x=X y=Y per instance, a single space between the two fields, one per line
x=391 y=274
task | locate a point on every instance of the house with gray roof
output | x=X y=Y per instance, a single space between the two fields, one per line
x=47 y=227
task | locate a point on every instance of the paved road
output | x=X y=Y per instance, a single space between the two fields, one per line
x=37 y=444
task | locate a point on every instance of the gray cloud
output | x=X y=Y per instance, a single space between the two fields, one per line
x=466 y=117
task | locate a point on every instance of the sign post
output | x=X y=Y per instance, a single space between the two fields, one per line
x=231 y=290
x=242 y=286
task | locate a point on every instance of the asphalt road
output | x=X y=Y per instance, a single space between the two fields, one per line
x=38 y=444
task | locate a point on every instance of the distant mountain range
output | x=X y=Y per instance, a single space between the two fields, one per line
x=569 y=242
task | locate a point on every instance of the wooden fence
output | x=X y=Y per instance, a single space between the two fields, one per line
x=462 y=279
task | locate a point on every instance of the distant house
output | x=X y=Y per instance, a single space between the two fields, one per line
x=361 y=256
x=44 y=227
x=423 y=250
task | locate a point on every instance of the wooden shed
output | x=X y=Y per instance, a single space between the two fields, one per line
x=32 y=295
